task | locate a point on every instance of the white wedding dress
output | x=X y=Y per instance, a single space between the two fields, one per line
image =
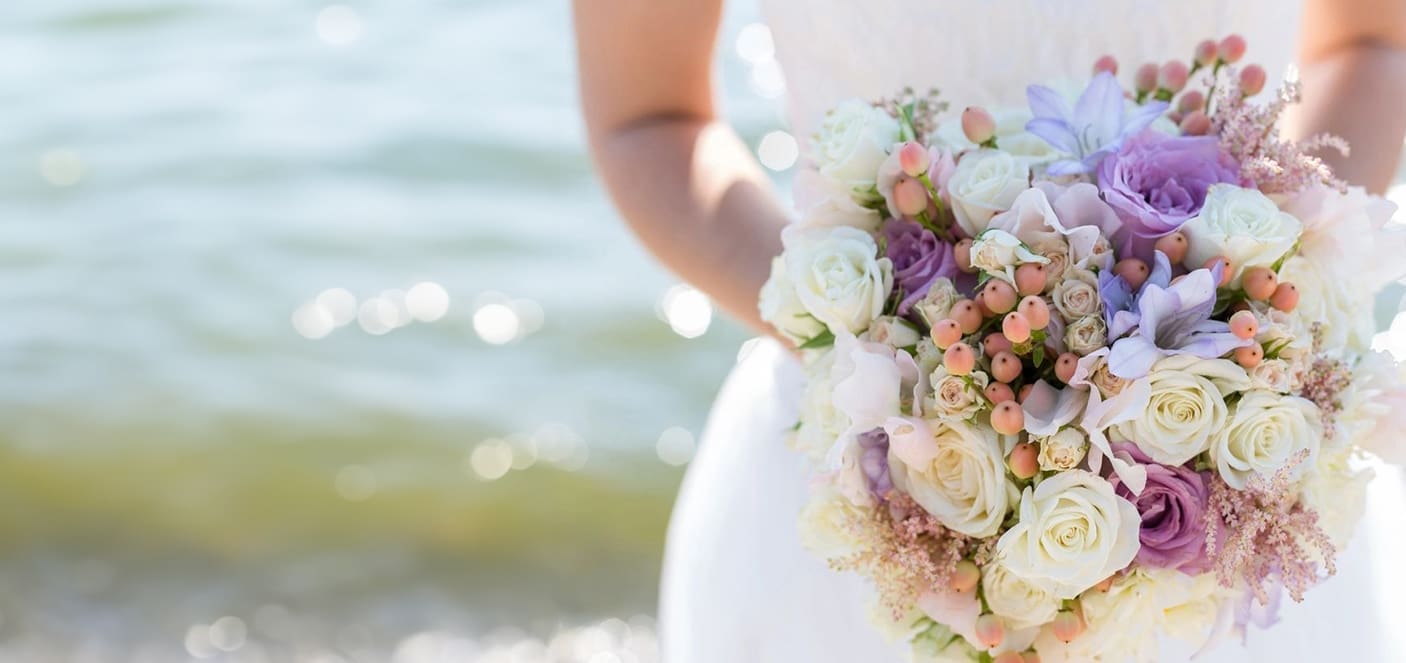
x=737 y=586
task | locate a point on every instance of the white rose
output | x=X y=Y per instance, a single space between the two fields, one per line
x=1374 y=408
x=1337 y=492
x=1063 y=450
x=998 y=253
x=853 y=141
x=956 y=397
x=984 y=183
x=838 y=277
x=1242 y=225
x=1121 y=625
x=1055 y=249
x=1086 y=335
x=840 y=210
x=1191 y=606
x=821 y=423
x=1072 y=533
x=1344 y=312
x=893 y=332
x=1264 y=431
x=1186 y=410
x=1021 y=604
x=1077 y=296
x=1274 y=375
x=781 y=307
x=827 y=524
x=936 y=305
x=956 y=472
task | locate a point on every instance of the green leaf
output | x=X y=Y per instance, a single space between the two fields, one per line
x=1038 y=355
x=824 y=339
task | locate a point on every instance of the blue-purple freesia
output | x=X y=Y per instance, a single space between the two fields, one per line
x=1173 y=320
x=1094 y=128
x=1120 y=302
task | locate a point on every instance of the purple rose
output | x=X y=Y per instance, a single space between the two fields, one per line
x=1173 y=533
x=874 y=461
x=919 y=258
x=1156 y=182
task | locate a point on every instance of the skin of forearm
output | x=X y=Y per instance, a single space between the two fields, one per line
x=1357 y=92
x=691 y=191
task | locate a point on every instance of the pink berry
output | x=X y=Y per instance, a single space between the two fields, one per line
x=994 y=343
x=1252 y=79
x=1196 y=123
x=1133 y=271
x=990 y=632
x=910 y=197
x=1065 y=366
x=1173 y=246
x=1206 y=53
x=965 y=576
x=981 y=304
x=1259 y=283
x=1231 y=49
x=1227 y=270
x=1016 y=327
x=998 y=392
x=1106 y=63
x=1105 y=584
x=978 y=124
x=1285 y=297
x=962 y=252
x=1000 y=296
x=1035 y=310
x=1009 y=657
x=1191 y=100
x=1145 y=79
x=1005 y=366
x=1030 y=657
x=1024 y=392
x=967 y=315
x=1067 y=625
x=959 y=359
x=1249 y=356
x=913 y=159
x=1244 y=325
x=1024 y=460
x=1172 y=76
x=1031 y=278
x=1007 y=418
x=946 y=332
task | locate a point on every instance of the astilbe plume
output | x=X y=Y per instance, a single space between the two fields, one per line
x=1249 y=132
x=925 y=109
x=1262 y=532
x=905 y=551
x=1324 y=381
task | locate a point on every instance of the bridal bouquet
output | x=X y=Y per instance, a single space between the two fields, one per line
x=1089 y=374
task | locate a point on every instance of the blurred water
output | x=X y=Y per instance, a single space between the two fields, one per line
x=187 y=436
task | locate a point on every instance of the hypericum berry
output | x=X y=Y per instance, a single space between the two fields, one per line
x=1226 y=271
x=1024 y=392
x=995 y=343
x=1005 y=366
x=910 y=197
x=1016 y=327
x=1065 y=366
x=1244 y=325
x=1031 y=278
x=981 y=306
x=962 y=253
x=1067 y=625
x=990 y=631
x=967 y=314
x=1206 y=53
x=913 y=159
x=1191 y=100
x=998 y=392
x=1106 y=63
x=1173 y=246
x=978 y=125
x=1252 y=79
x=1024 y=460
x=1259 y=283
x=1030 y=657
x=959 y=359
x=965 y=576
x=1172 y=76
x=1009 y=657
x=1285 y=297
x=945 y=333
x=1000 y=296
x=1145 y=80
x=1035 y=310
x=1196 y=123
x=1007 y=418
x=1133 y=271
x=1249 y=356
x=1231 y=49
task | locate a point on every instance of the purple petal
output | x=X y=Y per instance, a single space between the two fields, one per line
x=1067 y=167
x=1210 y=346
x=1132 y=357
x=1046 y=103
x=1142 y=117
x=1161 y=275
x=1056 y=132
x=1100 y=107
x=1155 y=305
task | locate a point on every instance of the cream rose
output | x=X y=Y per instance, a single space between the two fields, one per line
x=838 y=277
x=821 y=422
x=826 y=524
x=853 y=141
x=840 y=210
x=1063 y=450
x=1186 y=409
x=1086 y=335
x=956 y=397
x=936 y=305
x=1077 y=295
x=1055 y=250
x=1337 y=492
x=998 y=253
x=955 y=470
x=1343 y=310
x=984 y=183
x=1274 y=375
x=781 y=307
x=1264 y=431
x=1242 y=225
x=893 y=332
x=1021 y=604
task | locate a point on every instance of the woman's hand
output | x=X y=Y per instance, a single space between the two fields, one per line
x=682 y=179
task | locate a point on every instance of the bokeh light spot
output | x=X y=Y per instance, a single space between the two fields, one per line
x=228 y=633
x=754 y=43
x=312 y=321
x=687 y=311
x=778 y=150
x=491 y=459
x=496 y=323
x=675 y=446
x=61 y=167
x=427 y=301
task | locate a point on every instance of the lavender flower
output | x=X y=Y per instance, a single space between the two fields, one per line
x=874 y=462
x=1120 y=302
x=919 y=258
x=1173 y=507
x=1095 y=128
x=1173 y=320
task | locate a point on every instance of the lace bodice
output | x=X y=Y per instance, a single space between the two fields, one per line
x=986 y=52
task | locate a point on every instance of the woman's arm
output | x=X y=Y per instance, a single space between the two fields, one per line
x=1353 y=68
x=683 y=180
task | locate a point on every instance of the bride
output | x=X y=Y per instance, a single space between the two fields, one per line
x=737 y=586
